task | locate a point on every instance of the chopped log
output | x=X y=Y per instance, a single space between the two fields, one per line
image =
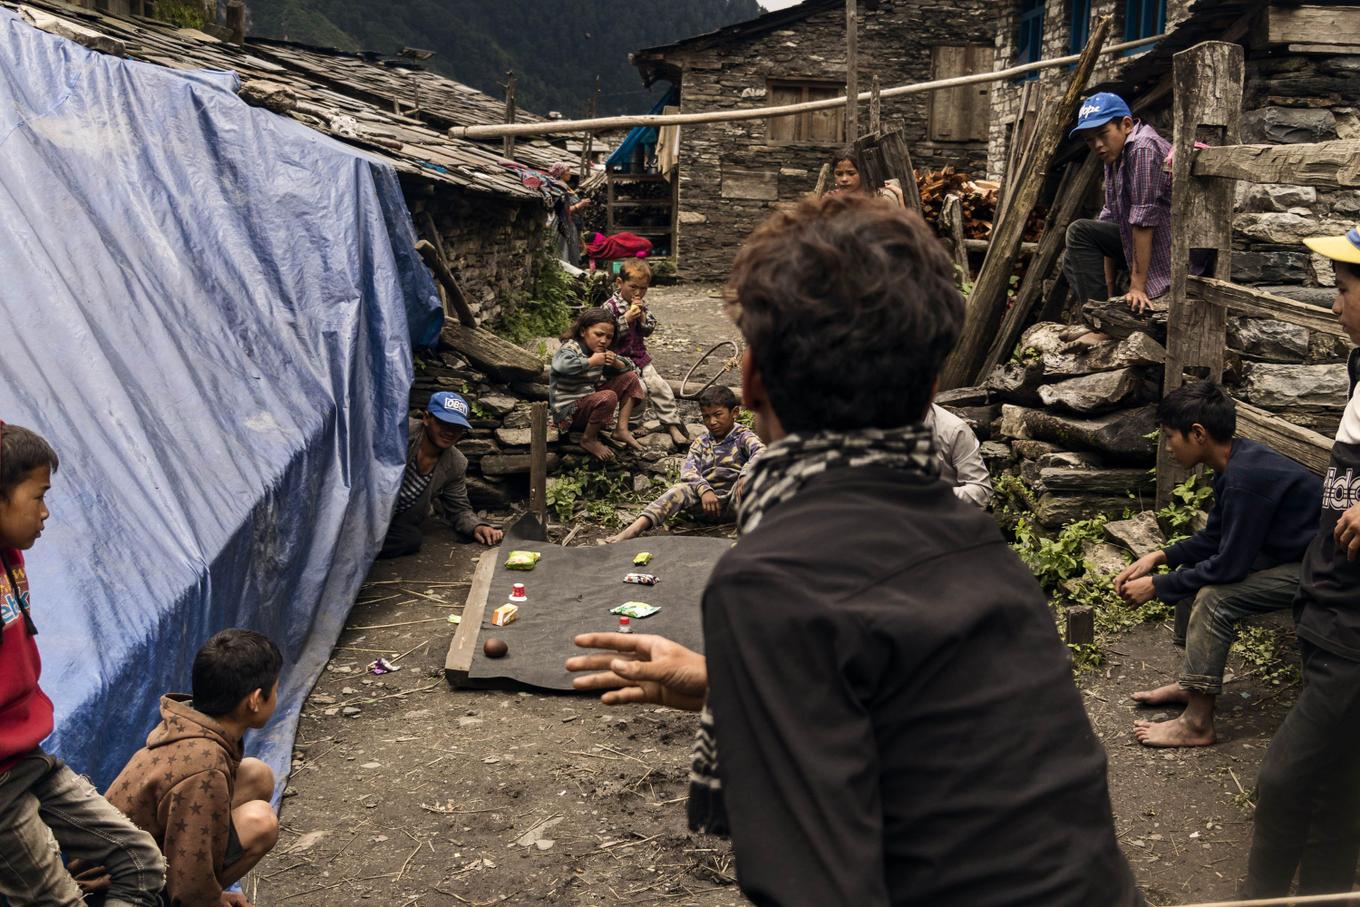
x=1081 y=625
x=1307 y=447
x=492 y=355
x=1324 y=165
x=1208 y=103
x=1127 y=435
x=1260 y=304
x=988 y=300
x=1096 y=481
x=457 y=298
x=1070 y=197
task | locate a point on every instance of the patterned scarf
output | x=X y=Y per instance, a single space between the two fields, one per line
x=782 y=471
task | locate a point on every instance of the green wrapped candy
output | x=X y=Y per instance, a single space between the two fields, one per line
x=634 y=610
x=522 y=560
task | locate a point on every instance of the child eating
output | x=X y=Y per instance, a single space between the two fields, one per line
x=711 y=477
x=581 y=397
x=635 y=324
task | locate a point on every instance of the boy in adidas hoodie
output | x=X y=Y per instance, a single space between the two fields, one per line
x=206 y=806
x=47 y=810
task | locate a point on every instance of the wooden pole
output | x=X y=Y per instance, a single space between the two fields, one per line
x=1208 y=105
x=558 y=127
x=875 y=107
x=851 y=70
x=588 y=146
x=952 y=215
x=538 y=461
x=987 y=303
x=236 y=21
x=456 y=296
x=508 y=141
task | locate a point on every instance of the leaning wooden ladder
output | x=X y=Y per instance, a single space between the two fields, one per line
x=1208 y=102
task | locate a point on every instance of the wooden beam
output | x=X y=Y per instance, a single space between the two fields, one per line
x=987 y=303
x=982 y=245
x=463 y=648
x=538 y=461
x=851 y=70
x=1208 y=106
x=765 y=113
x=1260 y=304
x=875 y=106
x=451 y=286
x=1311 y=24
x=1325 y=165
x=508 y=141
x=1051 y=245
x=1308 y=447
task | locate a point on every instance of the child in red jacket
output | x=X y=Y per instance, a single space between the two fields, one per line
x=47 y=810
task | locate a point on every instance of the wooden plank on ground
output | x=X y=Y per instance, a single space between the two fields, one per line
x=1324 y=165
x=1308 y=447
x=1260 y=304
x=987 y=303
x=459 y=659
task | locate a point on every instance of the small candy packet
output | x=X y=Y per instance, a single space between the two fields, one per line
x=522 y=560
x=642 y=559
x=382 y=666
x=641 y=579
x=635 y=610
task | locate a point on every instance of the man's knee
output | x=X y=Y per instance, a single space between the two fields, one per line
x=254 y=781
x=257 y=827
x=1079 y=233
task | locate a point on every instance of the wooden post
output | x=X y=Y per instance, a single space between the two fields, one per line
x=588 y=146
x=875 y=107
x=851 y=70
x=1208 y=105
x=952 y=215
x=823 y=177
x=236 y=21
x=1070 y=196
x=988 y=301
x=885 y=156
x=435 y=262
x=508 y=142
x=538 y=461
x=1081 y=625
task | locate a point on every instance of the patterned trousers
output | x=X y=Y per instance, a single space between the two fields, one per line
x=685 y=497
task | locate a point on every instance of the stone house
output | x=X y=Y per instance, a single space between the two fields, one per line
x=731 y=175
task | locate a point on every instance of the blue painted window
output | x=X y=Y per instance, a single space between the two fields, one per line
x=1079 y=26
x=1143 y=19
x=1029 y=38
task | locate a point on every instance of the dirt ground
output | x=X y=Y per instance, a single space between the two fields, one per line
x=432 y=796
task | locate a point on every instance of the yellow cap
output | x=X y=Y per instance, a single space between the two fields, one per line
x=1338 y=248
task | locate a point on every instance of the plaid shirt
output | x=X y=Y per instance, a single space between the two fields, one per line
x=1138 y=194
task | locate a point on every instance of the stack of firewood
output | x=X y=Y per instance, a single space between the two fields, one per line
x=978 y=199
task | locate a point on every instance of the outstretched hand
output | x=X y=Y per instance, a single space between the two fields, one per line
x=641 y=668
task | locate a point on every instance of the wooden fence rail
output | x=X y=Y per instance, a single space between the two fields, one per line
x=1208 y=85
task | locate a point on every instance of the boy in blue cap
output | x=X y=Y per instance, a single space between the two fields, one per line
x=1133 y=230
x=435 y=473
x=1308 y=790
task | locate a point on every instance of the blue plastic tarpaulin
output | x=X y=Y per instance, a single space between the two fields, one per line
x=209 y=311
x=622 y=156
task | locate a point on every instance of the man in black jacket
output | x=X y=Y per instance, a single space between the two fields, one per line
x=890 y=717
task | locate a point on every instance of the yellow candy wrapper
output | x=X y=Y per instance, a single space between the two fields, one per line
x=522 y=560
x=642 y=559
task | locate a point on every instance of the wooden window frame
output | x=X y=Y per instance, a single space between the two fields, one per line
x=1143 y=19
x=1029 y=35
x=803 y=121
x=1078 y=25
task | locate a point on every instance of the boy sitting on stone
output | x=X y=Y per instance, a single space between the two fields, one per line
x=206 y=806
x=711 y=477
x=1244 y=562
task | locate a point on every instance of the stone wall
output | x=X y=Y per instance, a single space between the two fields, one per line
x=732 y=176
x=489 y=242
x=1057 y=32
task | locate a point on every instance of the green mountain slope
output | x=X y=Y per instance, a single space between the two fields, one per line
x=556 y=47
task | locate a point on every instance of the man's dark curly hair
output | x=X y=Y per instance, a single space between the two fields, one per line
x=849 y=306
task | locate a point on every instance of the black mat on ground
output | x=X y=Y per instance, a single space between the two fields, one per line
x=571 y=591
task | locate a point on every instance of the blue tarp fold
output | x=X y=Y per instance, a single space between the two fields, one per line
x=209 y=311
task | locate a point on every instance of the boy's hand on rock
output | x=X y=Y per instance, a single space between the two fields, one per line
x=641 y=668
x=1347 y=532
x=1138 y=301
x=712 y=506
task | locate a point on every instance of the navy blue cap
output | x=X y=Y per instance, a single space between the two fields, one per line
x=447 y=406
x=1099 y=109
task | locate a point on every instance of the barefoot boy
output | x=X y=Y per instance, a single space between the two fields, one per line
x=47 y=810
x=1244 y=562
x=206 y=806
x=628 y=305
x=1308 y=789
x=711 y=477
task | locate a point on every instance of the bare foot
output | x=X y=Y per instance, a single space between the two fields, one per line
x=1176 y=732
x=596 y=449
x=624 y=436
x=1170 y=694
x=678 y=435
